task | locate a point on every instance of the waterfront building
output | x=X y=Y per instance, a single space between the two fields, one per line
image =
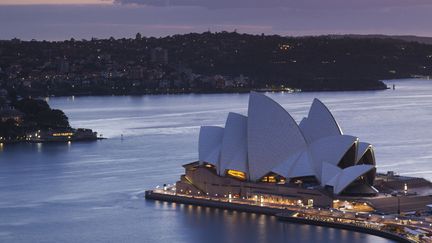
x=266 y=156
x=61 y=135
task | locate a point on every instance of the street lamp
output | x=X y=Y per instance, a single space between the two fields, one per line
x=398 y=208
x=398 y=195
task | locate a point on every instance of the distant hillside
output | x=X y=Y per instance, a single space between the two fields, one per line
x=409 y=38
x=209 y=62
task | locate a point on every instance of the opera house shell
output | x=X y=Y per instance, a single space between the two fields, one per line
x=268 y=145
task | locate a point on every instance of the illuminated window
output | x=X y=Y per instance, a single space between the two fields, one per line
x=237 y=174
x=273 y=178
x=270 y=179
x=63 y=134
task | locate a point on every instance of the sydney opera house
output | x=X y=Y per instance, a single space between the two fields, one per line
x=266 y=154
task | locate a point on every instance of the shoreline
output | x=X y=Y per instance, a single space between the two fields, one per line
x=282 y=214
x=181 y=92
x=51 y=141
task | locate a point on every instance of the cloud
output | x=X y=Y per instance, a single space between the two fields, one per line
x=59 y=22
x=55 y=2
x=293 y=4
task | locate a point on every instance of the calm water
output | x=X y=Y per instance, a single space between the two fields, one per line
x=93 y=192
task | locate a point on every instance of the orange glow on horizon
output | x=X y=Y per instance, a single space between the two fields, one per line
x=55 y=2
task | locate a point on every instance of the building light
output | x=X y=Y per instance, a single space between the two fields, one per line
x=237 y=174
x=62 y=134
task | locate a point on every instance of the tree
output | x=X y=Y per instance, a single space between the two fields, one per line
x=52 y=119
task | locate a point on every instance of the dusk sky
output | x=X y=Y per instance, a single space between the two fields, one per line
x=59 y=20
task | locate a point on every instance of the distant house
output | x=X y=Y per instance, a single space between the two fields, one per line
x=3 y=93
x=159 y=55
x=8 y=113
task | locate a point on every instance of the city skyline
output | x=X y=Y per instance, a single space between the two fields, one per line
x=60 y=20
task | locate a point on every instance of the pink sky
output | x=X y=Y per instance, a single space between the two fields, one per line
x=38 y=2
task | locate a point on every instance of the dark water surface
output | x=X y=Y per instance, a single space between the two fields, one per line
x=93 y=191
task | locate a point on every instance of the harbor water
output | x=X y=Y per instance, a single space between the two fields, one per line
x=93 y=191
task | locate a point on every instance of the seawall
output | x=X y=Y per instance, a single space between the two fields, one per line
x=281 y=214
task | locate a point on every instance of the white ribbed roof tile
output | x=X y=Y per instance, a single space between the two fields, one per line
x=320 y=123
x=209 y=144
x=234 y=144
x=273 y=135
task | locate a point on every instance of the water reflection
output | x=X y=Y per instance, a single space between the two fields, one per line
x=220 y=225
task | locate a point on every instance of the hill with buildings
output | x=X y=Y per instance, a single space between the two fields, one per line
x=33 y=120
x=207 y=62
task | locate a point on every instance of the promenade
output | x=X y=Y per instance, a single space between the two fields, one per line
x=388 y=226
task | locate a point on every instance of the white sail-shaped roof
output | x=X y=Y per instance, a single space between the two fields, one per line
x=363 y=149
x=329 y=171
x=285 y=167
x=269 y=140
x=330 y=150
x=234 y=144
x=348 y=176
x=303 y=166
x=320 y=123
x=209 y=144
x=273 y=135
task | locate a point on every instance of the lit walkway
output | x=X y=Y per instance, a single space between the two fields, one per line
x=391 y=223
